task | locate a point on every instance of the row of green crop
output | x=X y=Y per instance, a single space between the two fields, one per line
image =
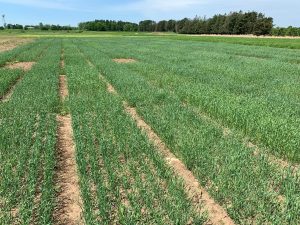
x=287 y=43
x=26 y=53
x=16 y=53
x=28 y=139
x=256 y=96
x=123 y=179
x=249 y=187
x=7 y=79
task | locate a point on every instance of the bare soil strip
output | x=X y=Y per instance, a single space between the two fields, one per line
x=111 y=89
x=217 y=215
x=63 y=90
x=26 y=66
x=69 y=202
x=121 y=60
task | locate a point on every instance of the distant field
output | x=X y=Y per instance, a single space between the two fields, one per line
x=158 y=129
x=277 y=42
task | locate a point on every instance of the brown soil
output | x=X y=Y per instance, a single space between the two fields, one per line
x=62 y=64
x=111 y=89
x=63 y=88
x=26 y=66
x=124 y=60
x=217 y=215
x=69 y=202
x=7 y=44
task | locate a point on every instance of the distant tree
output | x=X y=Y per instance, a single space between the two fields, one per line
x=14 y=26
x=108 y=25
x=130 y=27
x=171 y=26
x=162 y=26
x=183 y=26
x=263 y=25
x=147 y=26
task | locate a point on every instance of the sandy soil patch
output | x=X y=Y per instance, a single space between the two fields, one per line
x=69 y=202
x=7 y=44
x=63 y=88
x=111 y=89
x=69 y=205
x=26 y=66
x=121 y=60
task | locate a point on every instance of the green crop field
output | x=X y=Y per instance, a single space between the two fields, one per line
x=222 y=110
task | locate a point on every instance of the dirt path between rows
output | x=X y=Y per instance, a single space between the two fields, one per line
x=69 y=202
x=63 y=90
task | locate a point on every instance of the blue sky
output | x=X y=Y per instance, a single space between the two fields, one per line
x=70 y=12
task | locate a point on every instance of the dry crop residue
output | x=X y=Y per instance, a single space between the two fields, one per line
x=69 y=202
x=124 y=60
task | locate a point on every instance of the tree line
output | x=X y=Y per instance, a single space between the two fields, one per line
x=108 y=25
x=286 y=31
x=40 y=26
x=232 y=23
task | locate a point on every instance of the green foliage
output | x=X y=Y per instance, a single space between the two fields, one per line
x=27 y=141
x=123 y=178
x=289 y=31
x=176 y=84
x=108 y=25
x=233 y=23
x=168 y=85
